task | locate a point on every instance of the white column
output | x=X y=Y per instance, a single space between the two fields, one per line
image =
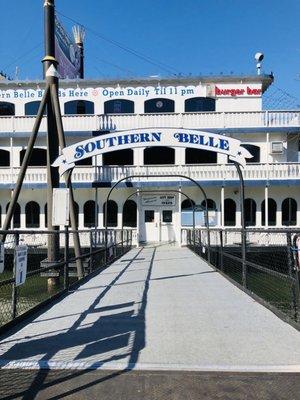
x=279 y=213
x=298 y=218
x=179 y=156
x=42 y=218
x=100 y=215
x=268 y=149
x=266 y=207
x=139 y=107
x=138 y=210
x=22 y=217
x=138 y=156
x=80 y=217
x=179 y=217
x=3 y=212
x=222 y=206
x=258 y=216
x=222 y=158
x=99 y=160
x=238 y=214
x=120 y=214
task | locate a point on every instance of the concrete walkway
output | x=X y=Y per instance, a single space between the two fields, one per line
x=158 y=307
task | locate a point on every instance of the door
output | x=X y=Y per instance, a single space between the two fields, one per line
x=167 y=233
x=158 y=225
x=152 y=225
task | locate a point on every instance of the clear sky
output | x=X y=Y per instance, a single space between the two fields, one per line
x=177 y=36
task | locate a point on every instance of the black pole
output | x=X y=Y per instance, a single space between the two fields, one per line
x=52 y=136
x=49 y=34
x=81 y=55
x=66 y=266
x=62 y=144
x=243 y=236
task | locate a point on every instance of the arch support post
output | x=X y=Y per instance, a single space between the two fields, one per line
x=243 y=231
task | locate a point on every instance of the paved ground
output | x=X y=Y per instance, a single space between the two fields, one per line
x=146 y=385
x=158 y=324
x=157 y=308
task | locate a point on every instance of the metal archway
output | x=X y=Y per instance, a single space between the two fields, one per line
x=160 y=176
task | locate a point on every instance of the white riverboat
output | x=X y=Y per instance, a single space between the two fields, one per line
x=224 y=105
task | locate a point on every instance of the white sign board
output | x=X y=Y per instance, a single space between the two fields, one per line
x=1 y=257
x=20 y=264
x=158 y=200
x=60 y=210
x=150 y=137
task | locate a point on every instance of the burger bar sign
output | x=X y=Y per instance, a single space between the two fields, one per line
x=238 y=91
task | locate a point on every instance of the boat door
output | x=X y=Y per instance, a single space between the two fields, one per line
x=167 y=232
x=157 y=218
x=158 y=225
x=151 y=224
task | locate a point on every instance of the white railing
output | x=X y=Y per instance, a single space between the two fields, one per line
x=200 y=120
x=203 y=172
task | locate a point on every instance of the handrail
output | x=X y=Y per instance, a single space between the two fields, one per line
x=201 y=119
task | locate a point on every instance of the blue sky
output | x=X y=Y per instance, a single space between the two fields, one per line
x=187 y=36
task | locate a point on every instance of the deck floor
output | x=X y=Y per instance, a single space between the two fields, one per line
x=156 y=308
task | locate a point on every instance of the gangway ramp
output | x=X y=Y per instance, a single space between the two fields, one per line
x=158 y=307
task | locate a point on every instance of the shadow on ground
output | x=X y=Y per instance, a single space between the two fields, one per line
x=112 y=337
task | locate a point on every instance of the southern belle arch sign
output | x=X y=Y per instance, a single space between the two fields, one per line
x=151 y=137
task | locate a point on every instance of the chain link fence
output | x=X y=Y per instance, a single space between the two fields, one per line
x=269 y=267
x=45 y=279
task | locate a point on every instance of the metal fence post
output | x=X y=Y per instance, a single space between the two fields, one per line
x=66 y=266
x=14 y=299
x=221 y=250
x=200 y=243
x=297 y=292
x=194 y=239
x=244 y=265
x=293 y=275
x=122 y=240
x=91 y=252
x=289 y=254
x=208 y=245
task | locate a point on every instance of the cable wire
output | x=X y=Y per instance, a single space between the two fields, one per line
x=142 y=56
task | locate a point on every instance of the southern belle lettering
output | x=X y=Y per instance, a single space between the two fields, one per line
x=147 y=138
x=82 y=151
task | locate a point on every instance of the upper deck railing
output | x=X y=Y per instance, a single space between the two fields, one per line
x=201 y=172
x=200 y=120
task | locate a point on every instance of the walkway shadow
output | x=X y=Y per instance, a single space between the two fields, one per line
x=117 y=335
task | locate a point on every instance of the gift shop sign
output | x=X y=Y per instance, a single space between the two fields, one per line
x=158 y=200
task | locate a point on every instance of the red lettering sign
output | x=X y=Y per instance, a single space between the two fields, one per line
x=237 y=92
